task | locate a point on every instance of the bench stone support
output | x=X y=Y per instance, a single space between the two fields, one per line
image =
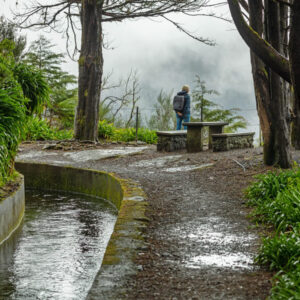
x=195 y=134
x=171 y=140
x=195 y=139
x=214 y=130
x=227 y=141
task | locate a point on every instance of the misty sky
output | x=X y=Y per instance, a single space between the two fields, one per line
x=166 y=59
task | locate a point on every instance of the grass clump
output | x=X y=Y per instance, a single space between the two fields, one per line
x=275 y=197
x=39 y=129
x=110 y=132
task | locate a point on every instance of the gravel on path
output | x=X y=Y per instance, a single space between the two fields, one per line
x=200 y=241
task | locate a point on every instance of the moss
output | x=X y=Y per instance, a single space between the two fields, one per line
x=81 y=60
x=11 y=186
x=265 y=72
x=110 y=257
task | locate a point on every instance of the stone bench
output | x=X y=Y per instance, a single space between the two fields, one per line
x=171 y=140
x=227 y=141
x=195 y=134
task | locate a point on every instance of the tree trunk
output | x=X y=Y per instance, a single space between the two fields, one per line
x=278 y=105
x=261 y=84
x=272 y=109
x=294 y=52
x=90 y=71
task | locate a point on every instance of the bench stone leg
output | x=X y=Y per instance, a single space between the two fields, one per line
x=213 y=130
x=194 y=139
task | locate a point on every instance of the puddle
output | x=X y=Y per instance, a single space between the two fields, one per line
x=87 y=155
x=187 y=168
x=158 y=162
x=216 y=243
x=233 y=261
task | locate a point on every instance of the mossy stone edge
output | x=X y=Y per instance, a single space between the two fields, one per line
x=127 y=237
x=12 y=210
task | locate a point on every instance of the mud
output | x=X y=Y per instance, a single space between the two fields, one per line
x=200 y=242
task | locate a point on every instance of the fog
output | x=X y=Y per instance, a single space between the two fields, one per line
x=166 y=58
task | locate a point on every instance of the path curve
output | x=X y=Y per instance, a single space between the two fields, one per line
x=200 y=243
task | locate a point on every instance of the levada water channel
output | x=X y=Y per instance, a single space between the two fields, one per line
x=58 y=249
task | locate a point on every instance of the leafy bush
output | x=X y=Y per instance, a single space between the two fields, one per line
x=287 y=285
x=34 y=87
x=38 y=129
x=12 y=117
x=267 y=186
x=276 y=200
x=108 y=131
x=281 y=252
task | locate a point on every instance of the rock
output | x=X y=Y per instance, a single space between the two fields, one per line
x=140 y=268
x=49 y=147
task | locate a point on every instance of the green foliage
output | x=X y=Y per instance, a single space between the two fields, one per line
x=281 y=252
x=108 y=131
x=164 y=117
x=269 y=185
x=12 y=118
x=63 y=99
x=34 y=87
x=207 y=110
x=8 y=31
x=287 y=285
x=39 y=129
x=276 y=201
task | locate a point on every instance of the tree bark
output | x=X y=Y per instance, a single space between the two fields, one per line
x=90 y=71
x=271 y=106
x=261 y=84
x=294 y=53
x=278 y=105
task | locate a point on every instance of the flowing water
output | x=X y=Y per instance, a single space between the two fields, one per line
x=57 y=251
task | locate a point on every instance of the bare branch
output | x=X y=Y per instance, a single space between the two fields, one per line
x=200 y=39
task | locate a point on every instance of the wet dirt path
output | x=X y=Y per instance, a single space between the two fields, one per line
x=200 y=243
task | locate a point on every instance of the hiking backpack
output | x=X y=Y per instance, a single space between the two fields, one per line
x=178 y=103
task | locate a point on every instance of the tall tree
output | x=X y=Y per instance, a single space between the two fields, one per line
x=63 y=98
x=9 y=31
x=200 y=93
x=273 y=109
x=209 y=111
x=92 y=14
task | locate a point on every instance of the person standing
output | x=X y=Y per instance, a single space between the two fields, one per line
x=185 y=114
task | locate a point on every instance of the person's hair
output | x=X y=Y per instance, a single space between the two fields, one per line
x=186 y=88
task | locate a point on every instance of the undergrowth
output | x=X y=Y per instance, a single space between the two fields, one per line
x=39 y=129
x=108 y=131
x=275 y=197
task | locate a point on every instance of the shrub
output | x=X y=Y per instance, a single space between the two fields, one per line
x=38 y=129
x=108 y=131
x=281 y=252
x=12 y=117
x=276 y=200
x=287 y=285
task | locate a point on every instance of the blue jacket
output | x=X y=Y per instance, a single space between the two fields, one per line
x=187 y=104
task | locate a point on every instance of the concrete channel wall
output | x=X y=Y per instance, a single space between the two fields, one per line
x=127 y=237
x=12 y=211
